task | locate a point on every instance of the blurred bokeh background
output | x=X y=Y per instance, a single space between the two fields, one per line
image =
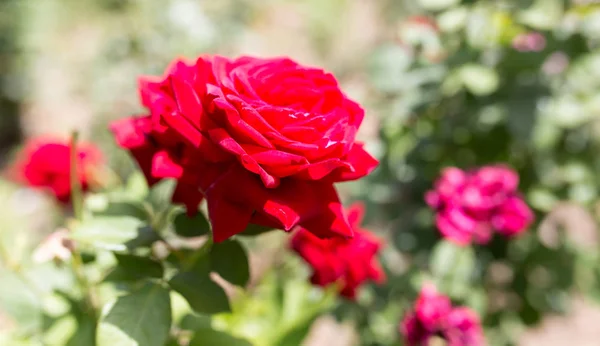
x=444 y=83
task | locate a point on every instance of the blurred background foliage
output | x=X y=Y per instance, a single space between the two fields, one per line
x=445 y=83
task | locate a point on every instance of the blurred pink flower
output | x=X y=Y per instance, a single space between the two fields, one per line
x=529 y=42
x=471 y=205
x=433 y=315
x=463 y=328
x=556 y=63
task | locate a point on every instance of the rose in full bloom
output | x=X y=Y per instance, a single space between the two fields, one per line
x=263 y=140
x=348 y=261
x=46 y=163
x=472 y=205
x=434 y=315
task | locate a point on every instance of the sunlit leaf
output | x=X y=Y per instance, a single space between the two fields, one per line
x=230 y=261
x=140 y=318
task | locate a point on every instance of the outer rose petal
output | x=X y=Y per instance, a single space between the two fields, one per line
x=362 y=163
x=463 y=328
x=513 y=217
x=316 y=206
x=451 y=232
x=413 y=331
x=134 y=134
x=432 y=308
x=188 y=195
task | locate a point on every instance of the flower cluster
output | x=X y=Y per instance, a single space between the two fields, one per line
x=434 y=315
x=470 y=205
x=349 y=262
x=262 y=140
x=46 y=163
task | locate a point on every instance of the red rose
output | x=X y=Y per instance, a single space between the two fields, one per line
x=263 y=140
x=349 y=261
x=46 y=163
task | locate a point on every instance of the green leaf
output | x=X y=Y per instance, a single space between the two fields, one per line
x=141 y=318
x=479 y=80
x=437 y=5
x=187 y=226
x=254 y=230
x=195 y=322
x=297 y=335
x=114 y=233
x=137 y=186
x=203 y=294
x=543 y=14
x=161 y=193
x=124 y=208
x=211 y=337
x=453 y=266
x=133 y=268
x=229 y=259
x=19 y=301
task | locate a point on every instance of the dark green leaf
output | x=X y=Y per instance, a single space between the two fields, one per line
x=211 y=337
x=124 y=208
x=203 y=295
x=297 y=335
x=85 y=332
x=141 y=318
x=254 y=230
x=114 y=233
x=195 y=322
x=229 y=259
x=132 y=268
x=187 y=226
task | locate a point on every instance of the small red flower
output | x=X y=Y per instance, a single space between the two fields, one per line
x=46 y=163
x=263 y=140
x=348 y=261
x=433 y=315
x=471 y=205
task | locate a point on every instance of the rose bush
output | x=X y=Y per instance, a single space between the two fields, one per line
x=350 y=262
x=263 y=140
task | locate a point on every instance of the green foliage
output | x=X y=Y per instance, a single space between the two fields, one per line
x=142 y=317
x=132 y=268
x=209 y=337
x=114 y=233
x=229 y=259
x=195 y=226
x=203 y=294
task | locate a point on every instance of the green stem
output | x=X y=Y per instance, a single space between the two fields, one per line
x=77 y=202
x=76 y=194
